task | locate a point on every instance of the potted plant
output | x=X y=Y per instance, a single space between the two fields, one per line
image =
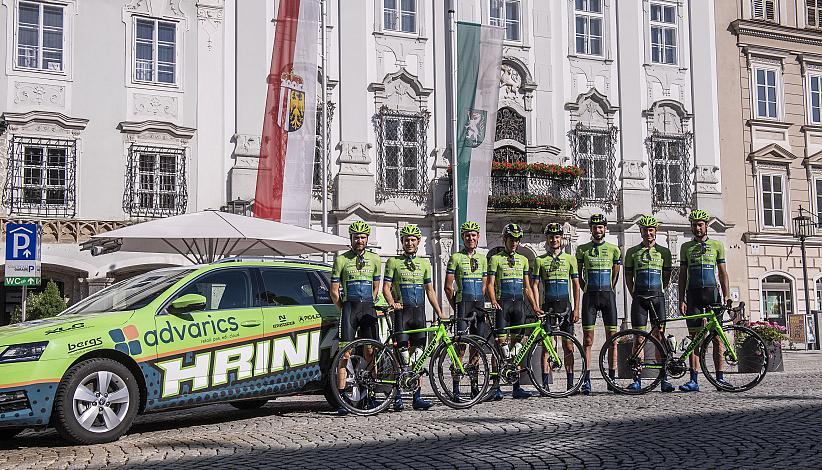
x=773 y=334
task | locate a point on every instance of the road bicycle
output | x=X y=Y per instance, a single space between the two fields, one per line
x=375 y=370
x=544 y=336
x=736 y=351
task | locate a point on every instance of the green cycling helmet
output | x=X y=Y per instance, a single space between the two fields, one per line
x=698 y=214
x=648 y=221
x=359 y=227
x=469 y=226
x=512 y=230
x=410 y=231
x=597 y=219
x=553 y=229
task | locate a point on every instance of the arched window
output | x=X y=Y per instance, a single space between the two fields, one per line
x=777 y=298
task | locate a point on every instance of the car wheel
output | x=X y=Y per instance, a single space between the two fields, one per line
x=9 y=433
x=96 y=402
x=330 y=396
x=249 y=404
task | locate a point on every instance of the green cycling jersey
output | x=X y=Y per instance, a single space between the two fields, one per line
x=508 y=270
x=408 y=276
x=555 y=273
x=596 y=262
x=646 y=266
x=702 y=259
x=469 y=272
x=356 y=275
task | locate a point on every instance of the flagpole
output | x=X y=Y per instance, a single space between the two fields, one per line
x=452 y=24
x=324 y=132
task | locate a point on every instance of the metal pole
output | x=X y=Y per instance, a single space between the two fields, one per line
x=23 y=307
x=324 y=133
x=452 y=86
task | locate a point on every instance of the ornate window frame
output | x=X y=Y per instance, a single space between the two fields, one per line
x=587 y=183
x=170 y=11
x=386 y=188
x=155 y=183
x=329 y=107
x=668 y=124
x=12 y=17
x=772 y=160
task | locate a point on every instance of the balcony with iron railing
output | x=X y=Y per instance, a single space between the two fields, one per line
x=535 y=187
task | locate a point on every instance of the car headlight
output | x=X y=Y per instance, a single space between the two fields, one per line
x=23 y=352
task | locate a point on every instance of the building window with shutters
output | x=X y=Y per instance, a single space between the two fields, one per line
x=663 y=25
x=401 y=145
x=670 y=170
x=765 y=10
x=41 y=177
x=589 y=19
x=772 y=193
x=814 y=10
x=594 y=154
x=506 y=14
x=156 y=182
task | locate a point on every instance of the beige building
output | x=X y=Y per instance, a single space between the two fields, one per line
x=770 y=109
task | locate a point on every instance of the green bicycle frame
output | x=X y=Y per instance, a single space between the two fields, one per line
x=712 y=325
x=537 y=334
x=441 y=335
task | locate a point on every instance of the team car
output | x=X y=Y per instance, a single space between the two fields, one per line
x=237 y=331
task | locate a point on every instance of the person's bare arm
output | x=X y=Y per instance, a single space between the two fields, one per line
x=615 y=275
x=723 y=283
x=433 y=300
x=529 y=294
x=629 y=281
x=335 y=294
x=450 y=293
x=683 y=281
x=492 y=292
x=389 y=295
x=577 y=297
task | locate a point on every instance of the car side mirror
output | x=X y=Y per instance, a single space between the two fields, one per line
x=187 y=303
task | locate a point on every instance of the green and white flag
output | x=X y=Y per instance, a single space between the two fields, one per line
x=479 y=57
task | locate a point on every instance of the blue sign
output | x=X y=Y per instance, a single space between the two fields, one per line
x=21 y=242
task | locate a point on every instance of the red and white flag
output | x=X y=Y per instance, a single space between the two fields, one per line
x=286 y=168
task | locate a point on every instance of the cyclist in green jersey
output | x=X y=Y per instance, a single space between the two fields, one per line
x=648 y=269
x=508 y=287
x=357 y=271
x=559 y=275
x=599 y=263
x=702 y=273
x=406 y=282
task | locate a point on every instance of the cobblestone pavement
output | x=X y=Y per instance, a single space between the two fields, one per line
x=776 y=425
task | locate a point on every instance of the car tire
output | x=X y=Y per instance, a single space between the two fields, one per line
x=9 y=433
x=75 y=416
x=330 y=396
x=249 y=404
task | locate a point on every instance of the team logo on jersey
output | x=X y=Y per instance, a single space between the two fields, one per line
x=474 y=130
x=292 y=102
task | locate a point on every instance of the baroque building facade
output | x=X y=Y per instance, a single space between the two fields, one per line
x=624 y=90
x=770 y=81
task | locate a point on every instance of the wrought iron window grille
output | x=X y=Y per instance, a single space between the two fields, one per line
x=594 y=151
x=41 y=177
x=155 y=182
x=402 y=148
x=510 y=125
x=670 y=170
x=318 y=150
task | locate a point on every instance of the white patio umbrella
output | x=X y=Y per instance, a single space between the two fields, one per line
x=203 y=237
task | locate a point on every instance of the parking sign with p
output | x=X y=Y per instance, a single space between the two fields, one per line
x=22 y=255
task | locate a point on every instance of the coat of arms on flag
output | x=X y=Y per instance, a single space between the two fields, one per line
x=475 y=124
x=292 y=93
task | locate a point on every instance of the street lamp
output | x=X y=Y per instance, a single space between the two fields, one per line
x=803 y=227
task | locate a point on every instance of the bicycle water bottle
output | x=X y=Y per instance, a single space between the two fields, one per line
x=515 y=350
x=671 y=342
x=686 y=341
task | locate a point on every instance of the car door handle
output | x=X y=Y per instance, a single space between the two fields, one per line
x=250 y=323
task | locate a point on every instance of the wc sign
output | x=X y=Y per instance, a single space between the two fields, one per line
x=22 y=255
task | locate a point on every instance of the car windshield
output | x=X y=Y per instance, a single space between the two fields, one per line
x=130 y=294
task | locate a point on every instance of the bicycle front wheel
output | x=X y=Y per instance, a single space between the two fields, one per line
x=558 y=370
x=363 y=377
x=639 y=362
x=457 y=382
x=736 y=369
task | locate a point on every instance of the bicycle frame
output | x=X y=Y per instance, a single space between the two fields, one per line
x=440 y=335
x=537 y=334
x=712 y=325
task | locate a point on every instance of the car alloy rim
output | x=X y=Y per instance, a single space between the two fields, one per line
x=101 y=401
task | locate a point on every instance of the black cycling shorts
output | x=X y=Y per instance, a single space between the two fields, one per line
x=697 y=300
x=512 y=314
x=639 y=312
x=409 y=318
x=561 y=307
x=599 y=301
x=358 y=316
x=479 y=326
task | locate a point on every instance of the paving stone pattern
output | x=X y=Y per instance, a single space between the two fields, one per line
x=776 y=425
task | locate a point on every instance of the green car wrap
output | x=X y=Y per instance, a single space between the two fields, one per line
x=270 y=347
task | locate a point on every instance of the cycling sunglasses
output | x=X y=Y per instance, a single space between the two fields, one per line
x=554 y=265
x=595 y=251
x=645 y=255
x=360 y=262
x=409 y=263
x=512 y=261
x=474 y=264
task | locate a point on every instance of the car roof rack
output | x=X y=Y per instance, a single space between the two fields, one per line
x=280 y=259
